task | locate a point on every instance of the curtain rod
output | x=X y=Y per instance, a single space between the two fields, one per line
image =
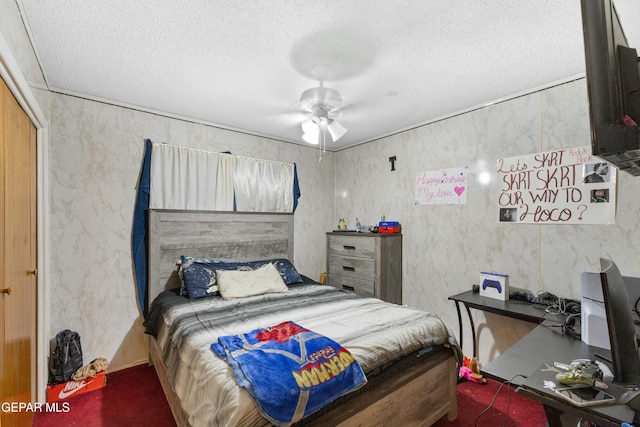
x=219 y=153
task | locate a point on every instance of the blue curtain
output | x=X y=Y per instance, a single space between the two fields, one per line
x=139 y=233
x=296 y=187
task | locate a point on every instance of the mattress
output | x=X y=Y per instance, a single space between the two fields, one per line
x=376 y=333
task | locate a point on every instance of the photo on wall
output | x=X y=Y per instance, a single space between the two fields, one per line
x=596 y=173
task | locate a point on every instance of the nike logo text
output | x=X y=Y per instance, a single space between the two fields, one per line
x=72 y=387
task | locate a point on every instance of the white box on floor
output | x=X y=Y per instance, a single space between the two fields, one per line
x=494 y=285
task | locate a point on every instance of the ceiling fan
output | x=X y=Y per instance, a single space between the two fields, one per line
x=321 y=105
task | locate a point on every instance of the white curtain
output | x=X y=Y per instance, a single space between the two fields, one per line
x=191 y=179
x=263 y=186
x=224 y=187
x=182 y=178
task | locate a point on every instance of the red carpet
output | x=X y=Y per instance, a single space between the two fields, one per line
x=134 y=397
x=474 y=398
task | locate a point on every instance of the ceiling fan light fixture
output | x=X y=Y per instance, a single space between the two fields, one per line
x=321 y=105
x=312 y=127
x=311 y=138
x=336 y=130
x=311 y=132
x=309 y=126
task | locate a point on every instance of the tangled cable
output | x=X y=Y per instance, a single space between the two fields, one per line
x=98 y=365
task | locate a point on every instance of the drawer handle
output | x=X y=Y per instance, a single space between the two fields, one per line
x=349 y=248
x=344 y=267
x=348 y=288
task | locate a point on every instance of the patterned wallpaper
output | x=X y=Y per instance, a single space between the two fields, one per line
x=95 y=156
x=446 y=246
x=95 y=152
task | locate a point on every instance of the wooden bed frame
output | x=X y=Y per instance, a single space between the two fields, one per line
x=421 y=395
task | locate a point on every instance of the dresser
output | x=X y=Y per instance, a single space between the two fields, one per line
x=368 y=264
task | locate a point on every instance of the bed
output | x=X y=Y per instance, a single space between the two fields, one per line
x=415 y=377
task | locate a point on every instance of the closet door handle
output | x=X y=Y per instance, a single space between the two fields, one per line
x=5 y=291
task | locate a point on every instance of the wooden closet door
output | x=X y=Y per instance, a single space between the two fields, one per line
x=18 y=258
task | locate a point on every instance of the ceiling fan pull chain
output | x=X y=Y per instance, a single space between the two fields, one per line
x=322 y=146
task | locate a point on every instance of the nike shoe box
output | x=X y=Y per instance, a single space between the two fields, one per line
x=494 y=285
x=75 y=388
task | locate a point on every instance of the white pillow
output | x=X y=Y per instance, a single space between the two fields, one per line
x=243 y=283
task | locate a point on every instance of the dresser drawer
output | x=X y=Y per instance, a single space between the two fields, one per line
x=363 y=247
x=365 y=288
x=362 y=268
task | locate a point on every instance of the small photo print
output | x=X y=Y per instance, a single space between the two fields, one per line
x=508 y=214
x=600 y=195
x=596 y=173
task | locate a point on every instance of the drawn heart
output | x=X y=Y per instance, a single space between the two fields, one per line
x=459 y=190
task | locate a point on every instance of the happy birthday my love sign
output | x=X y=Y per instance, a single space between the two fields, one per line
x=448 y=186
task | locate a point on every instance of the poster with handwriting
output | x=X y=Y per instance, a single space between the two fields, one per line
x=567 y=186
x=448 y=186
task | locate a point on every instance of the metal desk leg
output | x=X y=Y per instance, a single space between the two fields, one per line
x=473 y=332
x=473 y=328
x=459 y=324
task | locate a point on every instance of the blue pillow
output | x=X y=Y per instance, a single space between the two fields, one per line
x=199 y=278
x=286 y=269
x=187 y=261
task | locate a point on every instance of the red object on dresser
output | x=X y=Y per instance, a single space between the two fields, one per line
x=389 y=227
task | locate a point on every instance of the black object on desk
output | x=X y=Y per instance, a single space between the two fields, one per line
x=514 y=309
x=545 y=345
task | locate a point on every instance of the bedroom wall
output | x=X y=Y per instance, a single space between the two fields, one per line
x=95 y=153
x=94 y=159
x=446 y=246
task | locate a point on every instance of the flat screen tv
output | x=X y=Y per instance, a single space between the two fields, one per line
x=622 y=332
x=613 y=85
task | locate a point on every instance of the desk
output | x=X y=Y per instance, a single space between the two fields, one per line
x=515 y=309
x=546 y=345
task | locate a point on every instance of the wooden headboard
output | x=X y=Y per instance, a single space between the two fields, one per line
x=229 y=236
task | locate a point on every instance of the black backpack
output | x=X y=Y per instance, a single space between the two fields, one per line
x=66 y=357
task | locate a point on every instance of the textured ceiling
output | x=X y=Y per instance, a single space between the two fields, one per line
x=243 y=65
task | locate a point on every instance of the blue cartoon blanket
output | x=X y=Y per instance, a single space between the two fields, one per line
x=290 y=371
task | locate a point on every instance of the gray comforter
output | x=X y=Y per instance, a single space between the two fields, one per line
x=375 y=332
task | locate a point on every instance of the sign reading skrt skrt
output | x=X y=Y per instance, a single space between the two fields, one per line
x=567 y=186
